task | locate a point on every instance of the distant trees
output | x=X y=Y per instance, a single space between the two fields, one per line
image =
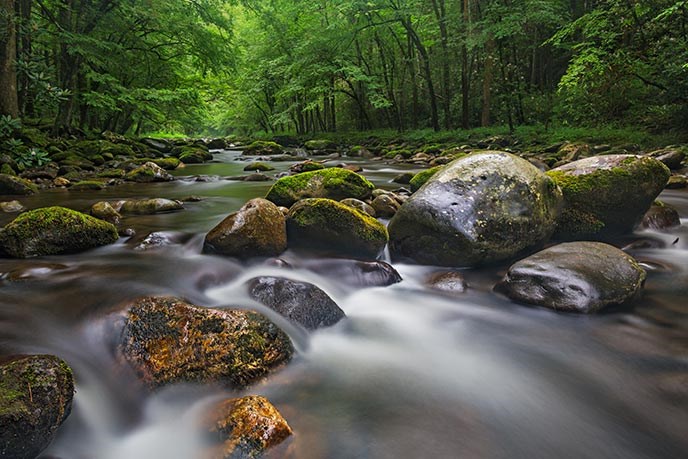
x=328 y=65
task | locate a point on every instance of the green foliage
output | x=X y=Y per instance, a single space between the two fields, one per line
x=8 y=126
x=33 y=157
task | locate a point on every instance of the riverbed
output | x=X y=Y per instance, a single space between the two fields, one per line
x=410 y=373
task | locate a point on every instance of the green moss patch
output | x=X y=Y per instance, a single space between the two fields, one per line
x=333 y=183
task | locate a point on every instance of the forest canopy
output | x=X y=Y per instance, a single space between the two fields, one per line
x=291 y=66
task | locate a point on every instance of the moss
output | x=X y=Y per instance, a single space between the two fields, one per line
x=403 y=152
x=259 y=166
x=333 y=183
x=10 y=184
x=320 y=145
x=7 y=170
x=54 y=230
x=264 y=147
x=335 y=226
x=169 y=164
x=308 y=166
x=88 y=185
x=112 y=173
x=421 y=177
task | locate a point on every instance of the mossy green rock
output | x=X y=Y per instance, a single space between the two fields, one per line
x=482 y=208
x=259 y=167
x=148 y=206
x=35 y=398
x=423 y=176
x=332 y=183
x=263 y=147
x=321 y=145
x=258 y=229
x=54 y=231
x=605 y=196
x=579 y=277
x=10 y=184
x=167 y=340
x=336 y=228
x=195 y=156
x=88 y=185
x=149 y=172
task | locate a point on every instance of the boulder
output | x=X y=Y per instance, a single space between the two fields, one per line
x=161 y=145
x=263 y=148
x=300 y=302
x=258 y=166
x=333 y=183
x=306 y=166
x=385 y=206
x=105 y=211
x=451 y=282
x=193 y=155
x=54 y=231
x=10 y=184
x=582 y=277
x=670 y=157
x=217 y=144
x=321 y=145
x=677 y=182
x=355 y=273
x=149 y=172
x=336 y=228
x=148 y=206
x=423 y=176
x=88 y=185
x=482 y=208
x=11 y=206
x=661 y=216
x=605 y=196
x=258 y=229
x=359 y=205
x=245 y=427
x=167 y=340
x=35 y=398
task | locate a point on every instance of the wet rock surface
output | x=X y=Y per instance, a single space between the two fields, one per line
x=607 y=195
x=300 y=302
x=333 y=183
x=54 y=231
x=582 y=277
x=245 y=427
x=451 y=282
x=660 y=216
x=35 y=398
x=12 y=185
x=168 y=340
x=479 y=209
x=258 y=229
x=334 y=227
x=354 y=272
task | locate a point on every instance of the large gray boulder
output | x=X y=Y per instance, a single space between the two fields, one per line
x=574 y=277
x=54 y=231
x=258 y=229
x=481 y=208
x=606 y=196
x=36 y=394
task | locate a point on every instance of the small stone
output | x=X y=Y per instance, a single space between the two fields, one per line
x=385 y=206
x=258 y=166
x=61 y=182
x=11 y=206
x=660 y=217
x=451 y=282
x=105 y=211
x=149 y=172
x=359 y=205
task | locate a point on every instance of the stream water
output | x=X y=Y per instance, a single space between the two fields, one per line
x=408 y=374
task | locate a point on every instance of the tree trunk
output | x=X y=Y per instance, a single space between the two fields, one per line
x=465 y=89
x=25 y=54
x=9 y=100
x=427 y=74
x=488 y=77
x=440 y=14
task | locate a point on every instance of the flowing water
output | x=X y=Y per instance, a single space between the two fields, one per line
x=408 y=374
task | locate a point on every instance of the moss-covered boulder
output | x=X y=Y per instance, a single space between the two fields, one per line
x=335 y=228
x=88 y=185
x=54 y=231
x=263 y=148
x=245 y=428
x=167 y=340
x=301 y=302
x=104 y=211
x=190 y=155
x=258 y=166
x=306 y=166
x=169 y=164
x=423 y=176
x=482 y=208
x=161 y=145
x=579 y=277
x=35 y=398
x=258 y=229
x=321 y=145
x=333 y=183
x=605 y=196
x=149 y=172
x=148 y=206
x=10 y=184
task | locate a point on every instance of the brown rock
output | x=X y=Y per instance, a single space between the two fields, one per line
x=451 y=282
x=257 y=229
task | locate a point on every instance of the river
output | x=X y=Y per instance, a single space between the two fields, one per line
x=408 y=374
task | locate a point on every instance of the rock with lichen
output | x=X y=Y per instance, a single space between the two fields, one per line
x=149 y=172
x=301 y=302
x=167 y=340
x=332 y=183
x=54 y=231
x=481 y=208
x=105 y=211
x=336 y=228
x=245 y=427
x=423 y=176
x=258 y=229
x=605 y=196
x=12 y=185
x=148 y=206
x=35 y=398
x=263 y=148
x=581 y=276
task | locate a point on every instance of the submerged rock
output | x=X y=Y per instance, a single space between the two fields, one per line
x=35 y=398
x=334 y=227
x=167 y=340
x=354 y=272
x=606 y=196
x=481 y=208
x=258 y=229
x=53 y=231
x=333 y=183
x=300 y=302
x=579 y=277
x=9 y=184
x=451 y=282
x=246 y=427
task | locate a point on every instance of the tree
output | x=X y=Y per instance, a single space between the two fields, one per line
x=9 y=102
